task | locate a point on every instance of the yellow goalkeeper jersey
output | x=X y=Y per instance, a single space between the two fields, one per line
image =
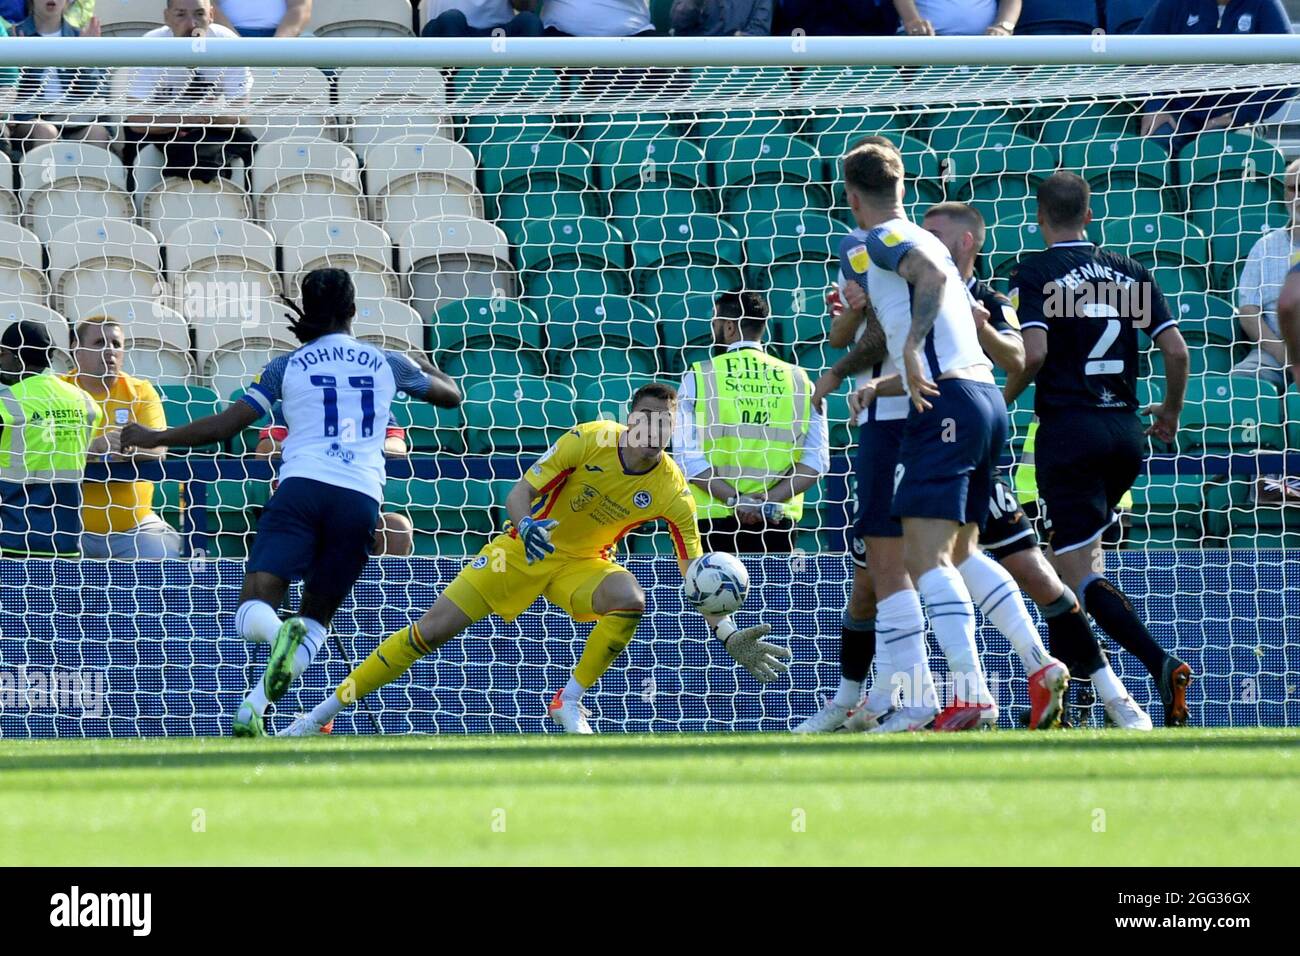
x=581 y=483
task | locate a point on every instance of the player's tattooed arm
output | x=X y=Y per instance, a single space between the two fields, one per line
x=927 y=281
x=871 y=349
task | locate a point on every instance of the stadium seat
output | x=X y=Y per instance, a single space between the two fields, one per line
x=539 y=93
x=796 y=294
x=1223 y=155
x=610 y=398
x=738 y=162
x=455 y=258
x=1202 y=360
x=517 y=414
x=389 y=324
x=289 y=102
x=157 y=339
x=10 y=206
x=380 y=105
x=835 y=132
x=430 y=429
x=184 y=403
x=1167 y=510
x=93 y=262
x=1230 y=412
x=595 y=127
x=57 y=326
x=347 y=18
x=992 y=170
x=1005 y=242
x=789 y=237
x=1127 y=175
x=1205 y=319
x=231 y=353
x=1216 y=207
x=1231 y=238
x=64 y=181
x=924 y=183
x=127 y=18
x=448 y=504
x=593 y=337
x=214 y=265
x=500 y=321
x=947 y=127
x=1176 y=252
x=653 y=177
x=562 y=258
x=416 y=178
x=539 y=179
x=362 y=248
x=1082 y=122
x=295 y=179
x=22 y=273
x=175 y=201
x=680 y=264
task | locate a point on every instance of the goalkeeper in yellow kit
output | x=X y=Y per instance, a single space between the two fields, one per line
x=567 y=514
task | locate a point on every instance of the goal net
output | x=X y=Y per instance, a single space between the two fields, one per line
x=554 y=237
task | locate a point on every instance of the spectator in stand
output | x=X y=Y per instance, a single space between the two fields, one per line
x=848 y=18
x=193 y=146
x=52 y=85
x=1258 y=290
x=1124 y=16
x=1057 y=18
x=118 y=516
x=598 y=18
x=45 y=429
x=479 y=18
x=722 y=18
x=927 y=18
x=1178 y=121
x=78 y=14
x=263 y=18
x=394 y=535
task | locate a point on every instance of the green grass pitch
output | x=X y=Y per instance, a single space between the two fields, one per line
x=1206 y=797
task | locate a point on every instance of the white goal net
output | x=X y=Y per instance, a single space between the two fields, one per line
x=554 y=237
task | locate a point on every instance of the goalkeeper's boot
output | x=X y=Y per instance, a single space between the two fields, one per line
x=279 y=667
x=304 y=726
x=1175 y=676
x=960 y=715
x=863 y=718
x=906 y=719
x=248 y=722
x=569 y=714
x=1047 y=687
x=1127 y=715
x=829 y=718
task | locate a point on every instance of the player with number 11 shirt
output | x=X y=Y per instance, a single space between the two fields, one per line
x=1082 y=312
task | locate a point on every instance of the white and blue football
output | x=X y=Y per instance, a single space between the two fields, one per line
x=716 y=583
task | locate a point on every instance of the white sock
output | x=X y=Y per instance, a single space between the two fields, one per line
x=257 y=621
x=572 y=690
x=900 y=626
x=849 y=693
x=310 y=646
x=884 y=688
x=952 y=617
x=1108 y=685
x=999 y=600
x=324 y=712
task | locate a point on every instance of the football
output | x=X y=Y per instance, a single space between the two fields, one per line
x=716 y=583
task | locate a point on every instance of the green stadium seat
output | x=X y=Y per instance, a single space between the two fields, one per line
x=1171 y=504
x=840 y=427
x=1233 y=513
x=598 y=127
x=246 y=441
x=1176 y=252
x=234 y=505
x=797 y=297
x=480 y=362
x=1231 y=239
x=536 y=180
x=790 y=237
x=948 y=127
x=1125 y=203
x=500 y=322
x=1204 y=319
x=525 y=413
x=751 y=210
x=646 y=178
x=1204 y=359
x=680 y=264
x=430 y=429
x=1082 y=122
x=1221 y=155
x=593 y=321
x=186 y=403
x=562 y=258
x=1125 y=173
x=737 y=162
x=609 y=398
x=484 y=86
x=433 y=544
x=588 y=363
x=924 y=185
x=1234 y=412
x=483 y=131
x=728 y=123
x=990 y=168
x=1219 y=203
x=853 y=124
x=1005 y=242
x=441 y=504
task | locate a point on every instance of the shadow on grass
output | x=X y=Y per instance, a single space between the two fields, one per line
x=430 y=749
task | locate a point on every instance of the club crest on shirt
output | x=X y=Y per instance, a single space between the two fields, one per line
x=858 y=259
x=1244 y=22
x=479 y=562
x=122 y=415
x=641 y=499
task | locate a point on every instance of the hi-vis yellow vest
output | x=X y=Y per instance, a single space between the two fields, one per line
x=752 y=414
x=1026 y=473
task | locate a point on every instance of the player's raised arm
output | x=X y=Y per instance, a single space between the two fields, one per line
x=203 y=431
x=438 y=387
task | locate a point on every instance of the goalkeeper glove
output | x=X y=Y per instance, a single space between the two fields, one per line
x=763 y=660
x=536 y=536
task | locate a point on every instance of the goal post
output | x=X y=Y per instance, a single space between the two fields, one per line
x=550 y=221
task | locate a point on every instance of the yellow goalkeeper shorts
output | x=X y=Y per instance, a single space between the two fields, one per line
x=500 y=580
